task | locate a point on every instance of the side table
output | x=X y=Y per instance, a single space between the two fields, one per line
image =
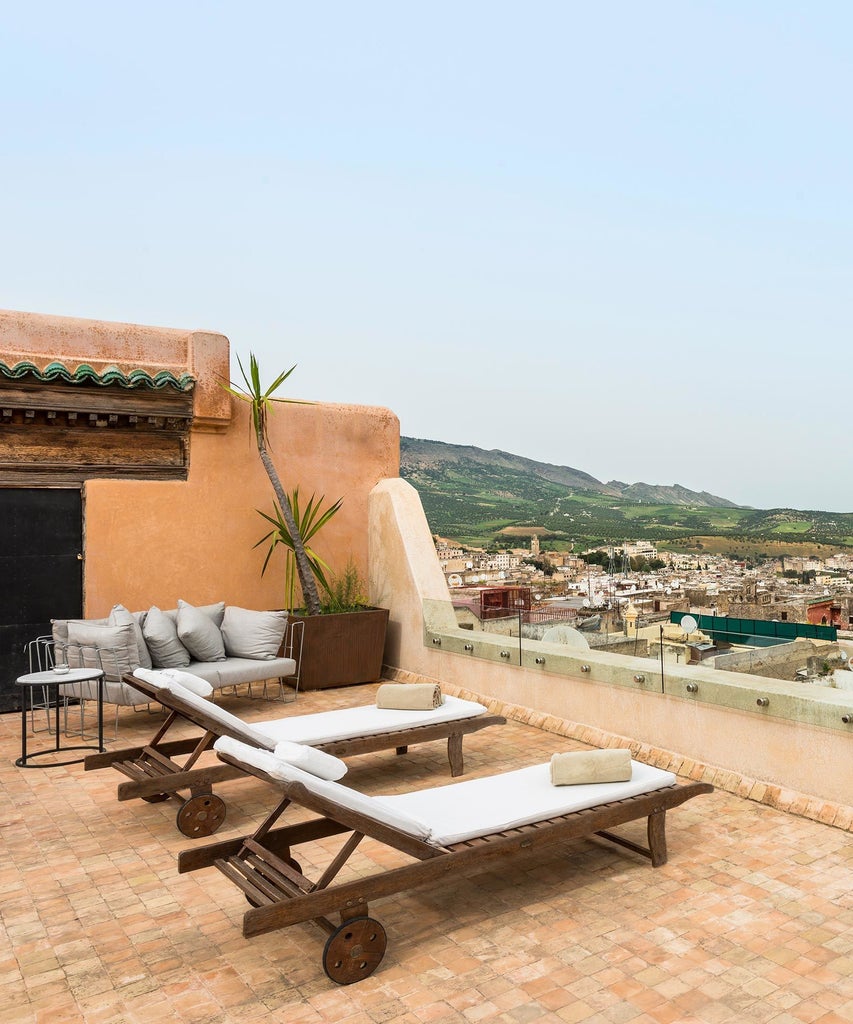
x=51 y=681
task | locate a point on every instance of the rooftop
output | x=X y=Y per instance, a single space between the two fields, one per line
x=750 y=920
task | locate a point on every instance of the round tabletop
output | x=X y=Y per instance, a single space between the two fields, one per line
x=73 y=675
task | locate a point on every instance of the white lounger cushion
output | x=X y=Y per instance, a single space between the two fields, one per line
x=476 y=807
x=321 y=727
x=224 y=719
x=444 y=815
x=345 y=723
x=374 y=807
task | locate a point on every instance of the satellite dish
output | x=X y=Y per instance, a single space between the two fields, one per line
x=689 y=624
x=844 y=655
x=676 y=584
x=668 y=590
x=585 y=602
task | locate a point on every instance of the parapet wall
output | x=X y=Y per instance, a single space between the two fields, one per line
x=784 y=735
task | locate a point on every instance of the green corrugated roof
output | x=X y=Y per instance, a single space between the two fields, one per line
x=110 y=376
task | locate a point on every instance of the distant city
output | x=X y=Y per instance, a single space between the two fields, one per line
x=622 y=598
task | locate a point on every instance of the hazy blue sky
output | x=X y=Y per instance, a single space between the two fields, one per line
x=614 y=236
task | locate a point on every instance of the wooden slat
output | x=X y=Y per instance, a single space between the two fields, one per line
x=109 y=758
x=80 y=398
x=289 y=884
x=139 y=771
x=194 y=779
x=291 y=835
x=232 y=868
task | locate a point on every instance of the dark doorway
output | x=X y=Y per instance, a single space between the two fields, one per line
x=41 y=539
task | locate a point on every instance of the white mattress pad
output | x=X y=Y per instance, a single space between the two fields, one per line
x=367 y=720
x=444 y=815
x=476 y=807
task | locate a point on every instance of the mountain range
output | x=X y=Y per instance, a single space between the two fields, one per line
x=481 y=498
x=418 y=457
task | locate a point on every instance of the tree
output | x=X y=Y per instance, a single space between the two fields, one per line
x=261 y=403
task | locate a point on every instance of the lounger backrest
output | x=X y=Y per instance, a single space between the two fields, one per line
x=215 y=714
x=373 y=807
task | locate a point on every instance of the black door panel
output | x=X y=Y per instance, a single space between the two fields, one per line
x=41 y=537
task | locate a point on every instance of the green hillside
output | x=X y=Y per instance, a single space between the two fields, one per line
x=472 y=496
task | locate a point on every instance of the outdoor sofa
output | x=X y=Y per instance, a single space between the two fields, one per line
x=223 y=644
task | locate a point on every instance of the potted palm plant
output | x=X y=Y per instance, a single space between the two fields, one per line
x=345 y=643
x=344 y=636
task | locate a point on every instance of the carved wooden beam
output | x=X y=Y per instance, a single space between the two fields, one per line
x=63 y=430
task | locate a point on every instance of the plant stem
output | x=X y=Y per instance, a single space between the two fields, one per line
x=303 y=568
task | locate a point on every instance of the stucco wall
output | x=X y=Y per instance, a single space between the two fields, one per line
x=152 y=543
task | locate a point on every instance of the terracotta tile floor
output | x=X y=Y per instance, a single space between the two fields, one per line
x=750 y=921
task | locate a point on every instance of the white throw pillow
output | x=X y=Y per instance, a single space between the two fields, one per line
x=252 y=634
x=195 y=684
x=315 y=762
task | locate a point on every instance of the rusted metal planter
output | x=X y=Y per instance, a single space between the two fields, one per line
x=343 y=648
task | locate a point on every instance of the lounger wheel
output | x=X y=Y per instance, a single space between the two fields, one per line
x=201 y=815
x=354 y=950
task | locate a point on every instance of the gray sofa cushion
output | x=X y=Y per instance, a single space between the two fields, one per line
x=161 y=635
x=113 y=648
x=253 y=634
x=212 y=611
x=199 y=633
x=233 y=671
x=114 y=693
x=120 y=616
x=59 y=627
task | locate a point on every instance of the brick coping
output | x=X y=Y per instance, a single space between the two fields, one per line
x=779 y=797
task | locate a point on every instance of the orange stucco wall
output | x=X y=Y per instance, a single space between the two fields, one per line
x=152 y=543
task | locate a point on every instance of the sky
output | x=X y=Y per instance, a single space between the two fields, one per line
x=611 y=236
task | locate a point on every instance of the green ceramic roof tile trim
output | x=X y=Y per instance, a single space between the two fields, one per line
x=111 y=375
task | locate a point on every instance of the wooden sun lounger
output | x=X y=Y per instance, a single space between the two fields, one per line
x=263 y=868
x=159 y=770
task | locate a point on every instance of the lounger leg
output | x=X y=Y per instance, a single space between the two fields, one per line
x=454 y=753
x=657 y=837
x=361 y=910
x=402 y=750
